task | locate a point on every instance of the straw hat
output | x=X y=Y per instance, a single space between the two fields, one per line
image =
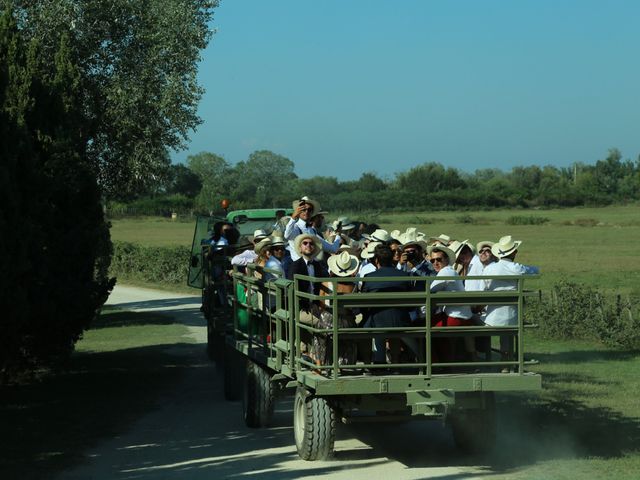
x=395 y=234
x=346 y=224
x=481 y=245
x=314 y=203
x=259 y=235
x=343 y=264
x=410 y=237
x=441 y=239
x=379 y=235
x=261 y=245
x=303 y=236
x=445 y=250
x=458 y=246
x=277 y=240
x=367 y=252
x=505 y=247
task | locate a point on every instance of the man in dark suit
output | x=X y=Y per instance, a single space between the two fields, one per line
x=308 y=246
x=385 y=317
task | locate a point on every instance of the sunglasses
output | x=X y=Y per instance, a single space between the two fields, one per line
x=308 y=242
x=278 y=248
x=437 y=259
x=409 y=250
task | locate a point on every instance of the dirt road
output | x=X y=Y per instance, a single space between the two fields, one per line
x=196 y=434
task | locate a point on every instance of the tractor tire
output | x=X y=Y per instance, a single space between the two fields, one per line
x=258 y=398
x=314 y=426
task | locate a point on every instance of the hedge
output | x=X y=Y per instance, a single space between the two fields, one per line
x=167 y=265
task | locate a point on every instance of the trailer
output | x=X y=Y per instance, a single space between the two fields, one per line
x=266 y=355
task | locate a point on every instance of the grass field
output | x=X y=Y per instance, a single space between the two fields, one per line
x=601 y=253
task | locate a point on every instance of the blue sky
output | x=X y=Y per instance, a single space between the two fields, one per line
x=342 y=87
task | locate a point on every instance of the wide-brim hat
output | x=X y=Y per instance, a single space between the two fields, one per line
x=446 y=250
x=441 y=239
x=411 y=237
x=458 y=247
x=316 y=240
x=505 y=247
x=314 y=203
x=347 y=224
x=482 y=244
x=277 y=241
x=261 y=245
x=395 y=234
x=258 y=235
x=343 y=264
x=368 y=251
x=378 y=235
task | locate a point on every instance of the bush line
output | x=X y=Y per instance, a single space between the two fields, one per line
x=167 y=265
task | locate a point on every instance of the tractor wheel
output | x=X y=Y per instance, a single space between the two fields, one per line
x=258 y=398
x=314 y=426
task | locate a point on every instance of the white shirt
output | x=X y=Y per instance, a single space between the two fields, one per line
x=455 y=311
x=476 y=268
x=298 y=227
x=244 y=258
x=504 y=315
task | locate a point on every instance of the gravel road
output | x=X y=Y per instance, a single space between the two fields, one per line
x=196 y=434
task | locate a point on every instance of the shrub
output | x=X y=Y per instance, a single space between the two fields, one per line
x=168 y=265
x=526 y=220
x=465 y=219
x=582 y=222
x=573 y=310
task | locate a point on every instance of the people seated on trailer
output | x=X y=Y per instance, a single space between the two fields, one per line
x=464 y=254
x=304 y=212
x=412 y=259
x=367 y=265
x=340 y=265
x=219 y=238
x=261 y=249
x=396 y=248
x=239 y=249
x=443 y=258
x=249 y=256
x=481 y=259
x=307 y=247
x=276 y=255
x=505 y=315
x=385 y=317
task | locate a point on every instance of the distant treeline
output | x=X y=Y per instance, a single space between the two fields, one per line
x=267 y=179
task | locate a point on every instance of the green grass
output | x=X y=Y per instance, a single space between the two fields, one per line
x=602 y=254
x=584 y=424
x=115 y=376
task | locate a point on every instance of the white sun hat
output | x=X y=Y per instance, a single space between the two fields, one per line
x=345 y=224
x=261 y=245
x=367 y=252
x=343 y=264
x=446 y=250
x=411 y=237
x=505 y=247
x=458 y=246
x=379 y=235
x=441 y=239
x=482 y=244
x=303 y=236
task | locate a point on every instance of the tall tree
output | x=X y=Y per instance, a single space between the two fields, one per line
x=214 y=173
x=137 y=76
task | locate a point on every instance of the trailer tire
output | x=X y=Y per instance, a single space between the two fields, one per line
x=258 y=397
x=474 y=430
x=233 y=371
x=314 y=426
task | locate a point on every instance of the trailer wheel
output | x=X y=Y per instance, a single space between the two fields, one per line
x=474 y=430
x=314 y=426
x=258 y=398
x=233 y=371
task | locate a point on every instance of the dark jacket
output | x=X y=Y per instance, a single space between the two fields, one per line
x=387 y=317
x=300 y=267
